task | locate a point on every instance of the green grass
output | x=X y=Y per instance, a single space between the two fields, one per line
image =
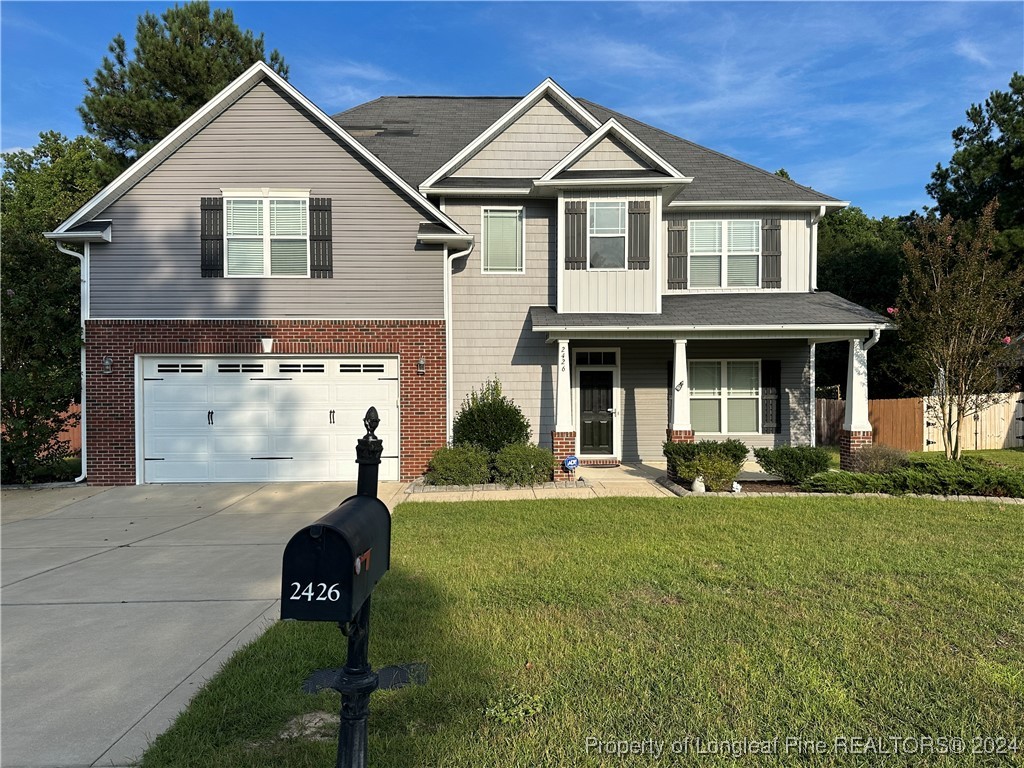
x=548 y=622
x=1008 y=457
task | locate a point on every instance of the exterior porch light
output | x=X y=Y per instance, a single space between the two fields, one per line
x=421 y=367
x=108 y=364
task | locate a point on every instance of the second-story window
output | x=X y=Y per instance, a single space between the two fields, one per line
x=266 y=237
x=607 y=235
x=724 y=253
x=503 y=250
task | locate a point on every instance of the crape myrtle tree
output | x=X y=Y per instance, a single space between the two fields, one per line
x=956 y=314
x=39 y=317
x=181 y=60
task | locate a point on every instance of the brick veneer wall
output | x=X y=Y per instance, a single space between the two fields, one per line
x=679 y=435
x=110 y=398
x=563 y=444
x=850 y=443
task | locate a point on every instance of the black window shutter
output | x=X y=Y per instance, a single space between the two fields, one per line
x=211 y=236
x=575 y=234
x=321 y=253
x=771 y=397
x=639 y=252
x=676 y=253
x=771 y=253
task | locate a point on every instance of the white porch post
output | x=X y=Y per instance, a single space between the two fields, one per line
x=856 y=419
x=680 y=421
x=564 y=421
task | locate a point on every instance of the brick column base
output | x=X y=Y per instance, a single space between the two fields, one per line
x=850 y=443
x=563 y=444
x=679 y=435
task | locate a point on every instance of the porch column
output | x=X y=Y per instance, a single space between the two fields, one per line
x=856 y=428
x=680 y=430
x=563 y=438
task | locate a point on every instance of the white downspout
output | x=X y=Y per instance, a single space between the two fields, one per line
x=83 y=312
x=815 y=218
x=875 y=336
x=449 y=386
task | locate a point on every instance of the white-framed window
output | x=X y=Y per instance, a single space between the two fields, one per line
x=606 y=234
x=266 y=235
x=725 y=396
x=504 y=243
x=725 y=253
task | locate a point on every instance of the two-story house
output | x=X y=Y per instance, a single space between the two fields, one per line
x=267 y=272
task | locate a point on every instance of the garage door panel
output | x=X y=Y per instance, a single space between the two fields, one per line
x=310 y=409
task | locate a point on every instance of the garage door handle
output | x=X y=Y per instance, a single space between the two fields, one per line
x=209 y=417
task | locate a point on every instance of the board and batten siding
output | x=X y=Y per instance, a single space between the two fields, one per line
x=645 y=398
x=490 y=329
x=609 y=154
x=620 y=290
x=152 y=267
x=531 y=145
x=796 y=246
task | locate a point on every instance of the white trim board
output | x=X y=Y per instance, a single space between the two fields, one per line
x=631 y=141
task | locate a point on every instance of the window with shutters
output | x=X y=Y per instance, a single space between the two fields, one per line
x=503 y=249
x=606 y=235
x=724 y=254
x=266 y=236
x=725 y=396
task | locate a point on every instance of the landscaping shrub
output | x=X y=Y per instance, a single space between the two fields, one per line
x=459 y=465
x=926 y=476
x=878 y=459
x=717 y=462
x=490 y=420
x=793 y=464
x=523 y=465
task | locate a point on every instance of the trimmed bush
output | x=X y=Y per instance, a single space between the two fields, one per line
x=878 y=459
x=793 y=464
x=523 y=465
x=926 y=476
x=490 y=420
x=687 y=460
x=459 y=465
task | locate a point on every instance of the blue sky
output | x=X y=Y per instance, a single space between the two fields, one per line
x=854 y=99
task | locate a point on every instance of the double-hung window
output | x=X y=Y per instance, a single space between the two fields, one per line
x=266 y=236
x=503 y=246
x=724 y=253
x=606 y=237
x=725 y=396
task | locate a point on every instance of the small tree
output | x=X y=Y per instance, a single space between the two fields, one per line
x=490 y=420
x=956 y=314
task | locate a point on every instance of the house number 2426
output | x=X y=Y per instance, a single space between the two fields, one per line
x=326 y=593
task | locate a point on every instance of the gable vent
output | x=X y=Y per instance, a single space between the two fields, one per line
x=301 y=368
x=179 y=368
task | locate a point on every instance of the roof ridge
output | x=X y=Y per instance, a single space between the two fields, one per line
x=707 y=149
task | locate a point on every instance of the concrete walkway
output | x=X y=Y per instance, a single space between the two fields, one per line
x=119 y=603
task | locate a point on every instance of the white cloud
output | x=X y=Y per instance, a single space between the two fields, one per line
x=970 y=51
x=338 y=85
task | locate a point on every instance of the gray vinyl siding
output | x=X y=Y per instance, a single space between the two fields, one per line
x=627 y=290
x=645 y=398
x=607 y=155
x=152 y=267
x=796 y=246
x=490 y=326
x=527 y=148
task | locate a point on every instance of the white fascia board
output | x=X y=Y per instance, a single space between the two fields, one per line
x=713 y=204
x=234 y=90
x=477 y=191
x=645 y=181
x=100 y=234
x=613 y=127
x=452 y=238
x=856 y=328
x=547 y=88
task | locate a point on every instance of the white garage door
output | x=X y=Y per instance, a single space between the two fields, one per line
x=234 y=419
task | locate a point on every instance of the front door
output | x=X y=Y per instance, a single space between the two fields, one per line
x=596 y=412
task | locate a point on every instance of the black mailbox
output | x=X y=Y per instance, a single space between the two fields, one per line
x=332 y=566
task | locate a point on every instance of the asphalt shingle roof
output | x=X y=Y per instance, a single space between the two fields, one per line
x=723 y=309
x=416 y=135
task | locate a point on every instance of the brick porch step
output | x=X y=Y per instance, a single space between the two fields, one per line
x=599 y=462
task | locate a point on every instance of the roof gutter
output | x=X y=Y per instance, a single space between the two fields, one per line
x=876 y=334
x=83 y=277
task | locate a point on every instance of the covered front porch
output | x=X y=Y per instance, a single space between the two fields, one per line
x=620 y=392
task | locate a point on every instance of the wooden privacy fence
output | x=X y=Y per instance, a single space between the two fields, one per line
x=905 y=424
x=74 y=435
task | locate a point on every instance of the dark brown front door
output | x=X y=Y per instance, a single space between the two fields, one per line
x=596 y=412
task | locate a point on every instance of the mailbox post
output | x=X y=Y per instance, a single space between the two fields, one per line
x=329 y=571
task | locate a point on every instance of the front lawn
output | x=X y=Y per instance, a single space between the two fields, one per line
x=550 y=623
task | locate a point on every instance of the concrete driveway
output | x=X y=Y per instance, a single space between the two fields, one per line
x=119 y=603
